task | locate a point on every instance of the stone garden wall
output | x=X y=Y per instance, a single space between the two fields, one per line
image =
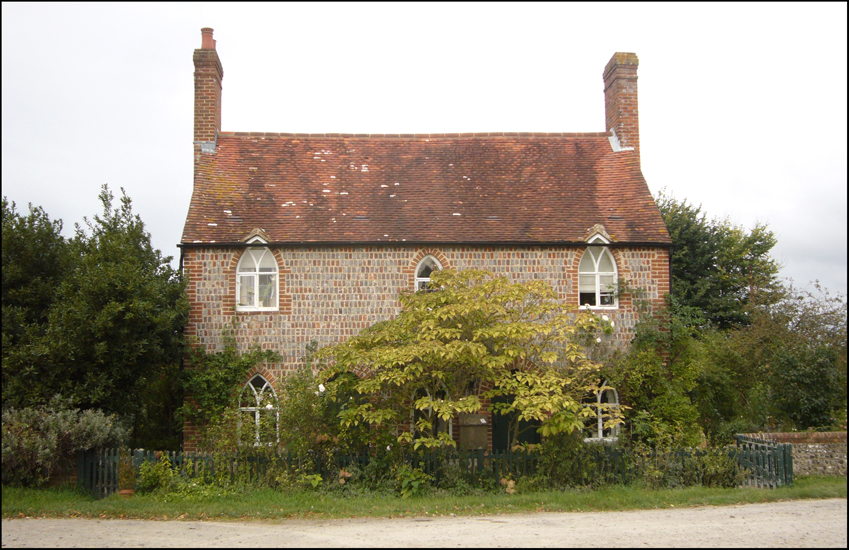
x=822 y=453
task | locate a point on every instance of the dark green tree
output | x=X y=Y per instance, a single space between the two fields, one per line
x=115 y=326
x=35 y=259
x=717 y=267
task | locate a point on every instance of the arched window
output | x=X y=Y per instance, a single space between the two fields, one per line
x=438 y=425
x=428 y=265
x=256 y=281
x=605 y=401
x=259 y=414
x=597 y=277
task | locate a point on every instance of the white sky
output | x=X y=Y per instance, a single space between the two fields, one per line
x=742 y=106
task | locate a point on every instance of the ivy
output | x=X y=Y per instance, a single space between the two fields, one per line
x=213 y=380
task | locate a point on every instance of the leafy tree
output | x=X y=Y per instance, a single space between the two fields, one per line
x=470 y=336
x=657 y=375
x=309 y=412
x=115 y=324
x=807 y=385
x=35 y=259
x=791 y=358
x=717 y=267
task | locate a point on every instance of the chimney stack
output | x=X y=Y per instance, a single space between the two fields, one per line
x=621 y=112
x=208 y=75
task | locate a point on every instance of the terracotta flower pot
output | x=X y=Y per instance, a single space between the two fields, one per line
x=127 y=493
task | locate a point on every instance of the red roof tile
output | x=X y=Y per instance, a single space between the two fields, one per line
x=429 y=188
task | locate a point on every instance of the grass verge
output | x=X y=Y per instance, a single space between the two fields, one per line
x=266 y=504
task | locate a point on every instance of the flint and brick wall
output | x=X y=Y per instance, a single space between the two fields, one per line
x=329 y=294
x=822 y=453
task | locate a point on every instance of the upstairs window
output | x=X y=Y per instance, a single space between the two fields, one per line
x=256 y=281
x=597 y=277
x=428 y=265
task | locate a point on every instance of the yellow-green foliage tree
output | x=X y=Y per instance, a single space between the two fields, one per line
x=472 y=330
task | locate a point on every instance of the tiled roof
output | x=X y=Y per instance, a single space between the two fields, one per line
x=420 y=188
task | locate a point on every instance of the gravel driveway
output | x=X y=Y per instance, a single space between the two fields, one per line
x=799 y=523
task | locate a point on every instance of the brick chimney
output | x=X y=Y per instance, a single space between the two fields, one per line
x=621 y=112
x=208 y=75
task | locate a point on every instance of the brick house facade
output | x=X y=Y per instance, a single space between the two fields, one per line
x=340 y=223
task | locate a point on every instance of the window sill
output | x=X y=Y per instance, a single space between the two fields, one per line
x=601 y=440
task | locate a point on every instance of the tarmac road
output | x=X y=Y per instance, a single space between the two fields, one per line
x=798 y=523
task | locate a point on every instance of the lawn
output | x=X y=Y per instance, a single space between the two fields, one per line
x=262 y=504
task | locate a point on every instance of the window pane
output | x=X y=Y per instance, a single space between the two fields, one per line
x=587 y=283
x=255 y=254
x=605 y=263
x=267 y=291
x=246 y=290
x=606 y=298
x=587 y=264
x=258 y=382
x=267 y=262
x=587 y=298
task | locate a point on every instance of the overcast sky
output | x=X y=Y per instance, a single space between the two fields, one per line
x=742 y=107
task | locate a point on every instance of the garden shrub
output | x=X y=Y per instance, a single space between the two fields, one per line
x=566 y=461
x=717 y=469
x=36 y=441
x=156 y=476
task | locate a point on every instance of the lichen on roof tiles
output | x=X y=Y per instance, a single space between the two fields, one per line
x=544 y=189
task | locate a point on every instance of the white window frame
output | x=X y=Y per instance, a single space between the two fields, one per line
x=256 y=410
x=248 y=258
x=422 y=282
x=588 y=256
x=598 y=429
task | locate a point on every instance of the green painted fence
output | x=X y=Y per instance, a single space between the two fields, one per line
x=769 y=464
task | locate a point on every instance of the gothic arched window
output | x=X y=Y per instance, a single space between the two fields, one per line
x=428 y=265
x=259 y=412
x=597 y=277
x=256 y=281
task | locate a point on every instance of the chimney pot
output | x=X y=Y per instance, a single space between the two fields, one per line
x=207 y=43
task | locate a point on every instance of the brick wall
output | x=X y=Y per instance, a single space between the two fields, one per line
x=821 y=453
x=330 y=294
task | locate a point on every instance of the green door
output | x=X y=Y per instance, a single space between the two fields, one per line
x=501 y=427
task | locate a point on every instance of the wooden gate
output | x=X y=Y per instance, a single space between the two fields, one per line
x=770 y=464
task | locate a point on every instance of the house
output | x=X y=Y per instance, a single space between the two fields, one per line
x=300 y=237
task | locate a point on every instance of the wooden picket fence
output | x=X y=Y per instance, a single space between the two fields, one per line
x=769 y=464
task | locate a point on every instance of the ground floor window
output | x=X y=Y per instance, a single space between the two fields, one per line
x=259 y=418
x=606 y=400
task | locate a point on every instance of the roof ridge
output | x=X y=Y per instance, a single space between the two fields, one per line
x=414 y=136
